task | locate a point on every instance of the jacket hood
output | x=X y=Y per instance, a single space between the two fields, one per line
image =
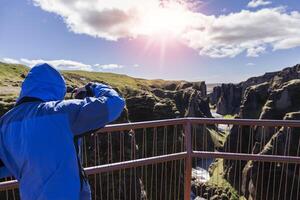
x=43 y=82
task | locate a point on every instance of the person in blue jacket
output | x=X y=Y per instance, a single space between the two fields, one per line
x=37 y=136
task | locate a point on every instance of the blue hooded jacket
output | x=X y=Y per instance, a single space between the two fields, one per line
x=36 y=137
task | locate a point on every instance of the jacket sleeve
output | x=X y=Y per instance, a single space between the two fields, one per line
x=94 y=112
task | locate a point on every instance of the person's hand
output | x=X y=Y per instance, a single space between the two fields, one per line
x=92 y=89
x=83 y=92
x=80 y=93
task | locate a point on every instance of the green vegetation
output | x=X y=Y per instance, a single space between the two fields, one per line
x=228 y=116
x=217 y=137
x=120 y=81
x=11 y=73
x=78 y=78
x=218 y=180
x=11 y=76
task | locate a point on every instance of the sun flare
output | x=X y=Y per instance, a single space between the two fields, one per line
x=170 y=20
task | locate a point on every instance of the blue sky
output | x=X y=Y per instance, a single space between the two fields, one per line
x=223 y=45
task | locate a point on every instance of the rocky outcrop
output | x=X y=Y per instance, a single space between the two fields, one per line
x=181 y=85
x=264 y=180
x=238 y=140
x=140 y=108
x=227 y=98
x=212 y=192
x=187 y=100
x=222 y=97
x=171 y=101
x=276 y=99
x=254 y=100
x=215 y=95
x=267 y=77
x=282 y=100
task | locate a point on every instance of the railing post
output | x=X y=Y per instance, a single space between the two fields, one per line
x=188 y=160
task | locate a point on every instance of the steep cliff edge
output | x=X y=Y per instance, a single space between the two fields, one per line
x=278 y=98
x=228 y=98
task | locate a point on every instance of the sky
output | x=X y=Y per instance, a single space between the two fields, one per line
x=196 y=40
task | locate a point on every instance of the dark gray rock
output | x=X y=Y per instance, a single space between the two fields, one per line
x=229 y=100
x=222 y=96
x=254 y=99
x=264 y=180
x=277 y=99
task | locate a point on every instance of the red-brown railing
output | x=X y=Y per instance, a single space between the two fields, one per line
x=158 y=156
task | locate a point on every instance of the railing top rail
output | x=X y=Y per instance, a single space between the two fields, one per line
x=250 y=122
x=144 y=124
x=178 y=121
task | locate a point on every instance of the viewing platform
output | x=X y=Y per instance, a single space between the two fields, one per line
x=168 y=159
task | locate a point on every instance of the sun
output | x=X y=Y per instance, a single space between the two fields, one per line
x=163 y=26
x=170 y=20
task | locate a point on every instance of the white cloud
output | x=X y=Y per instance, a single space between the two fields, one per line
x=65 y=64
x=227 y=35
x=9 y=60
x=257 y=3
x=105 y=19
x=250 y=31
x=59 y=64
x=256 y=51
x=107 y=67
x=287 y=43
x=115 y=19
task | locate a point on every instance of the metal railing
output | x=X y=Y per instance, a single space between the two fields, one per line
x=154 y=160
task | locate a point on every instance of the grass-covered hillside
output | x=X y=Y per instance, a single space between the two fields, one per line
x=122 y=82
x=12 y=75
